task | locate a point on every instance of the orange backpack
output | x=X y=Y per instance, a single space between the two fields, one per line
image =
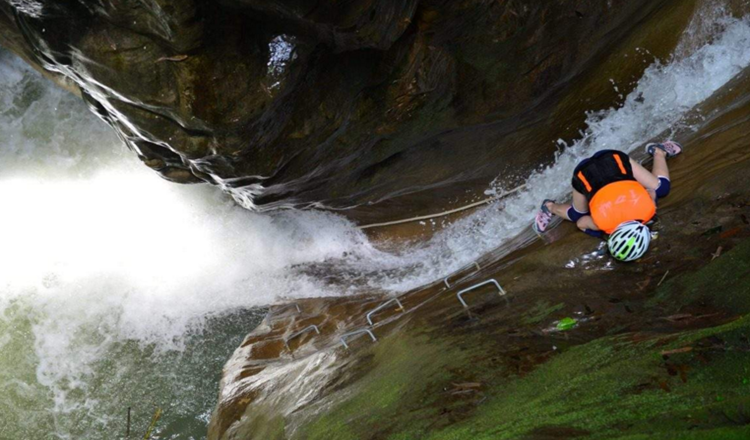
x=620 y=202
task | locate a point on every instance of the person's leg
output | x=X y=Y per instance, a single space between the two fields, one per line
x=571 y=212
x=580 y=207
x=580 y=203
x=587 y=225
x=660 y=168
x=648 y=179
x=559 y=209
x=577 y=212
x=656 y=180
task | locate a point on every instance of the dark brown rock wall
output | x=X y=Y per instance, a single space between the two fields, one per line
x=338 y=103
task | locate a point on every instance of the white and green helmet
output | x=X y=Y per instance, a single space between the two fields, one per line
x=629 y=241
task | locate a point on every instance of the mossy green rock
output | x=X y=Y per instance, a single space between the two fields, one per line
x=692 y=384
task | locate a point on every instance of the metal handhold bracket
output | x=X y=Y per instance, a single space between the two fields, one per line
x=355 y=333
x=491 y=281
x=303 y=331
x=282 y=308
x=381 y=307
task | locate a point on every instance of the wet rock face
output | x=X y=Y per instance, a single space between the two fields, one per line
x=339 y=103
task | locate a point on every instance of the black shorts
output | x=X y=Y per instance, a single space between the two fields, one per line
x=601 y=169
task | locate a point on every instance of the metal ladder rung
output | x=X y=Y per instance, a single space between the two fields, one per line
x=475 y=286
x=281 y=309
x=381 y=307
x=355 y=333
x=304 y=330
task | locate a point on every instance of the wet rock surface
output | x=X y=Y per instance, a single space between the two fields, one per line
x=657 y=349
x=328 y=103
x=343 y=104
x=580 y=346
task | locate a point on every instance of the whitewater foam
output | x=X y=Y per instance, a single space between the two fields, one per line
x=98 y=252
x=658 y=106
x=104 y=264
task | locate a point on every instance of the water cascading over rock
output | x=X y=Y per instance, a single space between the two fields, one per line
x=328 y=103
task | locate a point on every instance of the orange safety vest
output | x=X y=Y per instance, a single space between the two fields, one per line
x=620 y=202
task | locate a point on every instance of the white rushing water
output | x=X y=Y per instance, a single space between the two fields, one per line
x=120 y=289
x=98 y=253
x=715 y=49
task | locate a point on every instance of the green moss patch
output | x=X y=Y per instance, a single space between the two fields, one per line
x=616 y=388
x=689 y=384
x=403 y=393
x=724 y=282
x=540 y=312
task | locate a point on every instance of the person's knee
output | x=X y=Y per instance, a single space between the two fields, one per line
x=581 y=223
x=574 y=215
x=664 y=187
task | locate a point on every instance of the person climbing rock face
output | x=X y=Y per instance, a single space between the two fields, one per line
x=614 y=195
